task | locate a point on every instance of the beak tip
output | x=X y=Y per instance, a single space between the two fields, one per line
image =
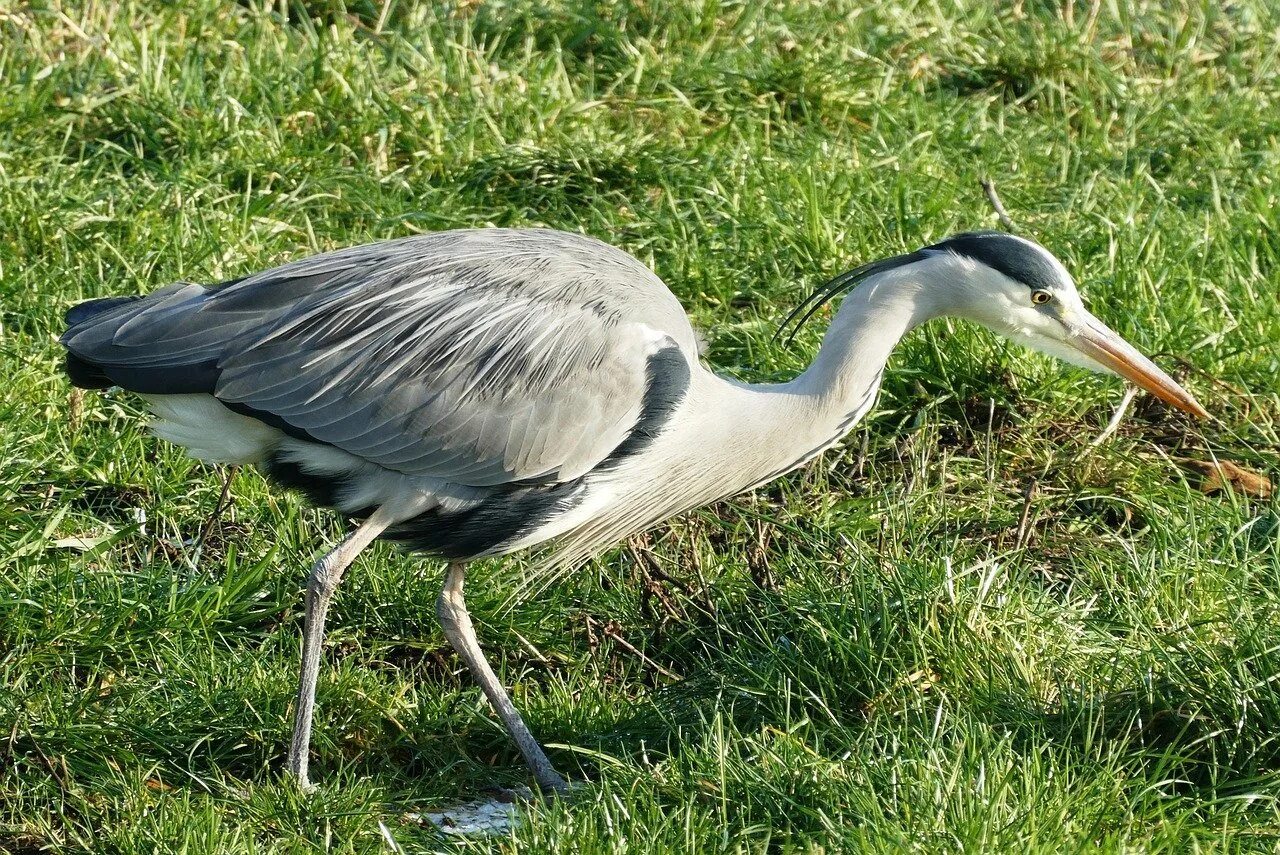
x=1114 y=354
x=1187 y=404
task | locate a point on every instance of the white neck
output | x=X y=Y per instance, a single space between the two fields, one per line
x=871 y=321
x=759 y=431
x=735 y=436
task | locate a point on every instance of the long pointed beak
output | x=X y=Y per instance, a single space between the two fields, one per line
x=1092 y=338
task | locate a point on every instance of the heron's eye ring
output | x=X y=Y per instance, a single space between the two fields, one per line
x=1040 y=297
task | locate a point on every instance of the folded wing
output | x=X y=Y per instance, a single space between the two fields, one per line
x=482 y=357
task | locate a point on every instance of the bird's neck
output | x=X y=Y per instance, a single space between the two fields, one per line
x=763 y=430
x=842 y=381
x=738 y=435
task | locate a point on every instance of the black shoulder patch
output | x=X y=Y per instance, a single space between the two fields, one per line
x=1014 y=257
x=666 y=382
x=321 y=490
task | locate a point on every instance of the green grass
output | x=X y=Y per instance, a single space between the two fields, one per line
x=868 y=657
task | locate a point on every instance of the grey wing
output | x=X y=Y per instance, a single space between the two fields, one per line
x=481 y=357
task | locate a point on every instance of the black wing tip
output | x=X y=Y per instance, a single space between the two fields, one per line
x=90 y=309
x=199 y=378
x=98 y=366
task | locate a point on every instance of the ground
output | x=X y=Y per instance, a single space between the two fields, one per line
x=970 y=627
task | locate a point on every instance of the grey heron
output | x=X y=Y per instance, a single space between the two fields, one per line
x=473 y=393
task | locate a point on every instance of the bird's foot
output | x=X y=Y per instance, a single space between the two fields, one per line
x=497 y=813
x=522 y=794
x=305 y=786
x=509 y=795
x=550 y=783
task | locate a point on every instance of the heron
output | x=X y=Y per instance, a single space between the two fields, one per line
x=478 y=392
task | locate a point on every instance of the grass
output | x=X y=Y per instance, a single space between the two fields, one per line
x=864 y=655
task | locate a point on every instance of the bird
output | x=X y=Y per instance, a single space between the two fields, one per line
x=474 y=393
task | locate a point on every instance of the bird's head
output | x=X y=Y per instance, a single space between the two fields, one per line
x=1019 y=290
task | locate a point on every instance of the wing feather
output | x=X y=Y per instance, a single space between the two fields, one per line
x=482 y=357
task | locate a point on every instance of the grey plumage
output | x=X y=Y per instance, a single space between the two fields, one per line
x=456 y=356
x=473 y=393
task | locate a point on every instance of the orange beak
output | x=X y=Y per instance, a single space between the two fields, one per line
x=1092 y=338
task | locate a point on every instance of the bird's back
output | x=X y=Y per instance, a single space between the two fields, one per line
x=181 y=324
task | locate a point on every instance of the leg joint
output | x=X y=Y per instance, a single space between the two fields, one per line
x=450 y=607
x=323 y=580
x=445 y=612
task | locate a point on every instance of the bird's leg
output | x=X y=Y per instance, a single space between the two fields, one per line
x=452 y=612
x=323 y=581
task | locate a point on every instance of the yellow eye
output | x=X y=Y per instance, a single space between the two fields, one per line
x=1040 y=297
